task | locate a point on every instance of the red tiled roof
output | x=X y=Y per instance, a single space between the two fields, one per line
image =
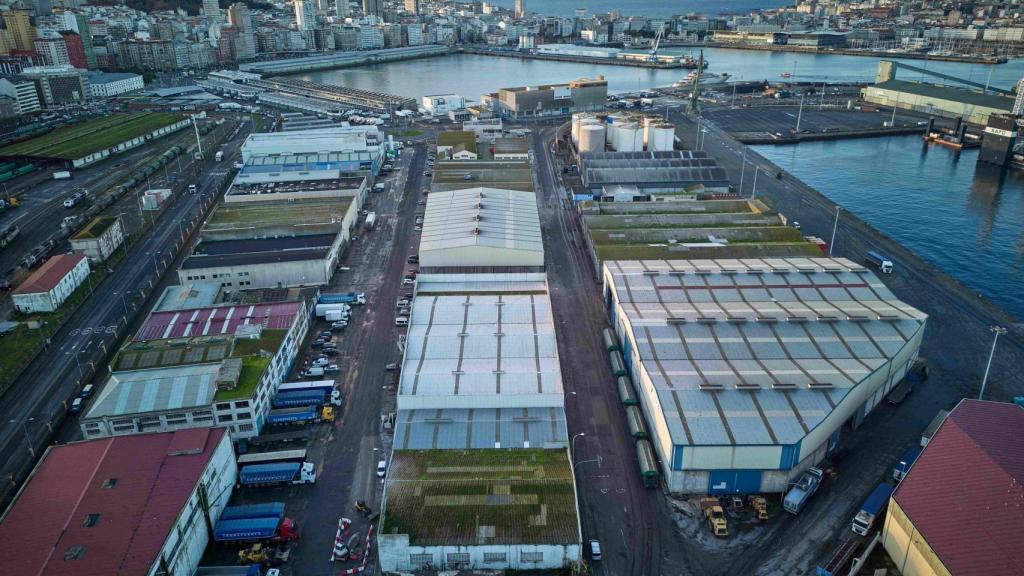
x=965 y=493
x=216 y=320
x=155 y=474
x=50 y=273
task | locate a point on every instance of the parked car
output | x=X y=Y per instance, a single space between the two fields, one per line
x=391 y=367
x=330 y=368
x=595 y=549
x=382 y=468
x=408 y=282
x=339 y=325
x=76 y=406
x=414 y=259
x=329 y=350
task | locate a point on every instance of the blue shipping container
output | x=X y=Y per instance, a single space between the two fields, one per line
x=291 y=399
x=268 y=473
x=288 y=415
x=245 y=529
x=264 y=510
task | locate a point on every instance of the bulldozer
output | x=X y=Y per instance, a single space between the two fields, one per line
x=760 y=507
x=716 y=516
x=327 y=414
x=262 y=554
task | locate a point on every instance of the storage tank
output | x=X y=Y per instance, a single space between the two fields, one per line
x=630 y=138
x=615 y=121
x=611 y=136
x=592 y=138
x=662 y=137
x=647 y=123
x=578 y=120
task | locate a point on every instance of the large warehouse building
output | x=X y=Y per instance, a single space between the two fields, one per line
x=138 y=505
x=481 y=407
x=959 y=511
x=748 y=371
x=481 y=228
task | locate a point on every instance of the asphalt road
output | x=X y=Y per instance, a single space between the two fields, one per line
x=631 y=522
x=37 y=403
x=347 y=451
x=957 y=343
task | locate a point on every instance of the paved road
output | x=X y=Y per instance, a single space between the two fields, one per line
x=957 y=342
x=632 y=522
x=347 y=451
x=36 y=405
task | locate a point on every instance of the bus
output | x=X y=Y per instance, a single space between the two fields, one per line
x=279 y=456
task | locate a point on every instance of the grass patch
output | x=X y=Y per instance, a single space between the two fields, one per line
x=253 y=368
x=269 y=341
x=16 y=349
x=71 y=142
x=411 y=133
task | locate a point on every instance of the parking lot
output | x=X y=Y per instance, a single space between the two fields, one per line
x=781 y=121
x=346 y=451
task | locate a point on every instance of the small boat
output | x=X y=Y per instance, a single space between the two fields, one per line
x=705 y=78
x=787 y=74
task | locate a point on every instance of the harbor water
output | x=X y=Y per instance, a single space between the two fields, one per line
x=967 y=222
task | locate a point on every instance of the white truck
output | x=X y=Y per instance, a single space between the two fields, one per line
x=219 y=155
x=61 y=175
x=371 y=219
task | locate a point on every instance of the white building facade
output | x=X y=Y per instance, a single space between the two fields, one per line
x=51 y=284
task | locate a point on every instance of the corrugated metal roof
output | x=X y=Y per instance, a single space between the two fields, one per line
x=757 y=351
x=50 y=273
x=481 y=345
x=135 y=487
x=480 y=428
x=951 y=93
x=965 y=493
x=217 y=320
x=486 y=217
x=142 y=391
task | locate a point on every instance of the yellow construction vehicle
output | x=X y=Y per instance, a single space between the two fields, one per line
x=327 y=414
x=716 y=516
x=760 y=507
x=255 y=554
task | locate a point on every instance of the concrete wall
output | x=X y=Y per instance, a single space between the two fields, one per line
x=907 y=548
x=949 y=108
x=396 y=554
x=278 y=274
x=189 y=536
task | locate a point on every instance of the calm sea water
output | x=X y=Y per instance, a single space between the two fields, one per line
x=932 y=200
x=966 y=220
x=652 y=8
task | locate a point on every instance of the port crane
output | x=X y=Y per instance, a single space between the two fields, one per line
x=654 y=46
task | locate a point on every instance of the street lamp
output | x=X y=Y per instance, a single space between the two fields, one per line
x=999 y=331
x=572 y=443
x=743 y=169
x=835 y=226
x=28 y=439
x=123 y=302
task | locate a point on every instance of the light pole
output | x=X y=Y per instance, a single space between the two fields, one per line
x=835 y=226
x=28 y=439
x=123 y=302
x=572 y=443
x=999 y=331
x=753 y=192
x=77 y=362
x=743 y=168
x=800 y=112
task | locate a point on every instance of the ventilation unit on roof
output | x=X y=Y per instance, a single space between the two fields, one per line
x=476 y=231
x=797 y=318
x=817 y=385
x=827 y=318
x=767 y=319
x=784 y=386
x=889 y=317
x=756 y=270
x=711 y=386
x=747 y=386
x=651 y=273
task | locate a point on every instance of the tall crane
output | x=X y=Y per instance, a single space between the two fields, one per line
x=654 y=46
x=694 y=106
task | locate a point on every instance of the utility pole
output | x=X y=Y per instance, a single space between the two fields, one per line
x=743 y=168
x=199 y=141
x=999 y=331
x=800 y=113
x=834 y=228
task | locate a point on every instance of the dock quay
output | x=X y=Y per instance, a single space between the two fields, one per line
x=341 y=60
x=579 y=59
x=788 y=124
x=964 y=59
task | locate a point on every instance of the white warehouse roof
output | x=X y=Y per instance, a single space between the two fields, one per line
x=485 y=227
x=756 y=351
x=317 y=141
x=471 y=350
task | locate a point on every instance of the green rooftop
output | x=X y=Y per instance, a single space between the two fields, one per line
x=480 y=497
x=509 y=174
x=95 y=228
x=279 y=213
x=253 y=368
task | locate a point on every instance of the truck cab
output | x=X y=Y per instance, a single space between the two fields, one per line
x=879 y=260
x=872 y=508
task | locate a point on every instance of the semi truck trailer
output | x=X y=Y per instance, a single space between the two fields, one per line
x=872 y=508
x=277 y=473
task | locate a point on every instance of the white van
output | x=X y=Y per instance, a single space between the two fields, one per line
x=401 y=321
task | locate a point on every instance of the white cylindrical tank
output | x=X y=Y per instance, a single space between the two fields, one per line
x=577 y=121
x=648 y=122
x=588 y=120
x=662 y=137
x=630 y=138
x=592 y=137
x=612 y=135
